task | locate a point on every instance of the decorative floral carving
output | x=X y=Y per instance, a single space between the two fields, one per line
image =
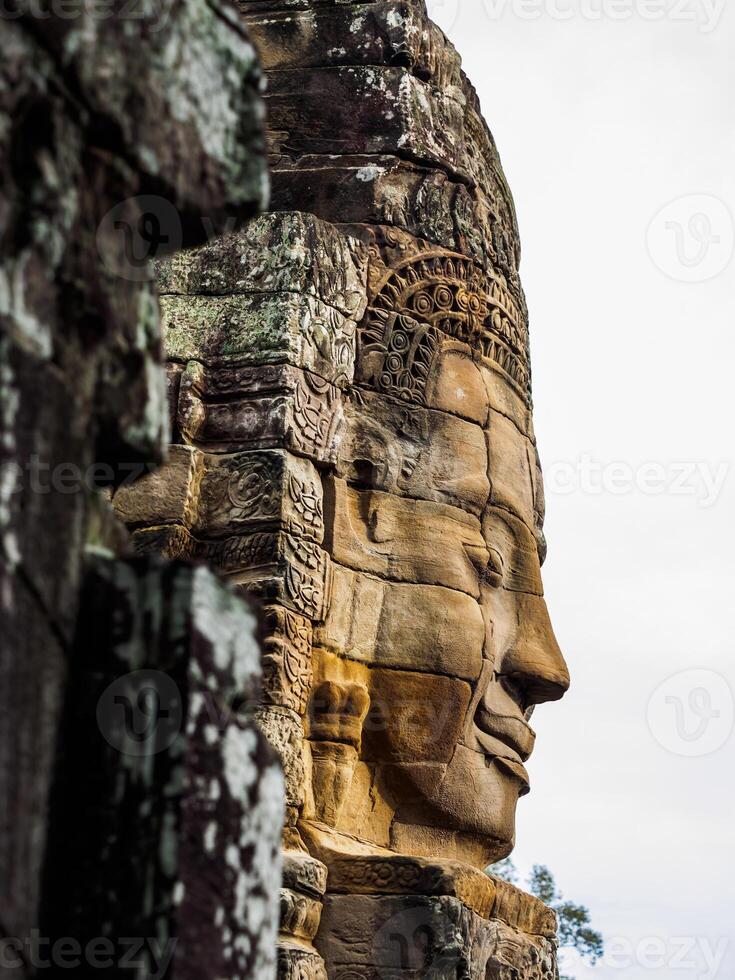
x=432 y=295
x=287 y=659
x=252 y=490
x=307 y=502
x=317 y=417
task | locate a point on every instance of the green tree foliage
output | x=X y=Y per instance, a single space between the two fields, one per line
x=575 y=929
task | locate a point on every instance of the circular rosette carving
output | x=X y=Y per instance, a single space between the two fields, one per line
x=252 y=491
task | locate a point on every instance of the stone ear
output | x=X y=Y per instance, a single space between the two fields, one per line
x=337 y=711
x=334 y=723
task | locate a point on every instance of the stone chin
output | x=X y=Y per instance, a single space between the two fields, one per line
x=465 y=811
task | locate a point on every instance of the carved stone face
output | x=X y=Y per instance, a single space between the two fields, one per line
x=434 y=526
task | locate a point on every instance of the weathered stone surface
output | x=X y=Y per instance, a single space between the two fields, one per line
x=388 y=190
x=304 y=884
x=403 y=626
x=262 y=328
x=364 y=110
x=411 y=938
x=215 y=496
x=412 y=452
x=449 y=190
x=402 y=539
x=505 y=399
x=243 y=407
x=284 y=732
x=414 y=717
x=512 y=460
x=514 y=550
x=33 y=671
x=170 y=494
x=203 y=152
x=332 y=770
x=297 y=963
x=274 y=566
x=383 y=872
x=365 y=814
x=113 y=149
x=274 y=253
x=174 y=815
x=381 y=33
x=287 y=674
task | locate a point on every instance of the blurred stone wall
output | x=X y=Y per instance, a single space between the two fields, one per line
x=126 y=131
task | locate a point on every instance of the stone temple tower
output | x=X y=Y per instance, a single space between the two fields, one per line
x=350 y=395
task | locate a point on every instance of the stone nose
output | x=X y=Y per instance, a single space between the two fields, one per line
x=534 y=663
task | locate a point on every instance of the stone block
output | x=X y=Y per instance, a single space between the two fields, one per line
x=256 y=490
x=280 y=252
x=272 y=566
x=261 y=328
x=403 y=626
x=218 y=495
x=287 y=671
x=297 y=963
x=400 y=874
x=414 y=718
x=504 y=398
x=365 y=813
x=456 y=386
x=166 y=496
x=365 y=110
x=205 y=154
x=514 y=545
x=285 y=734
x=407 y=450
x=388 y=190
x=512 y=461
x=334 y=35
x=332 y=768
x=33 y=675
x=350 y=626
x=274 y=407
x=402 y=539
x=416 y=937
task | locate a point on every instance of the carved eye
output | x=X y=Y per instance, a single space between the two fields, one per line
x=494 y=569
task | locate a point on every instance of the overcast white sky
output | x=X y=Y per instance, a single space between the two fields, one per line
x=601 y=123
